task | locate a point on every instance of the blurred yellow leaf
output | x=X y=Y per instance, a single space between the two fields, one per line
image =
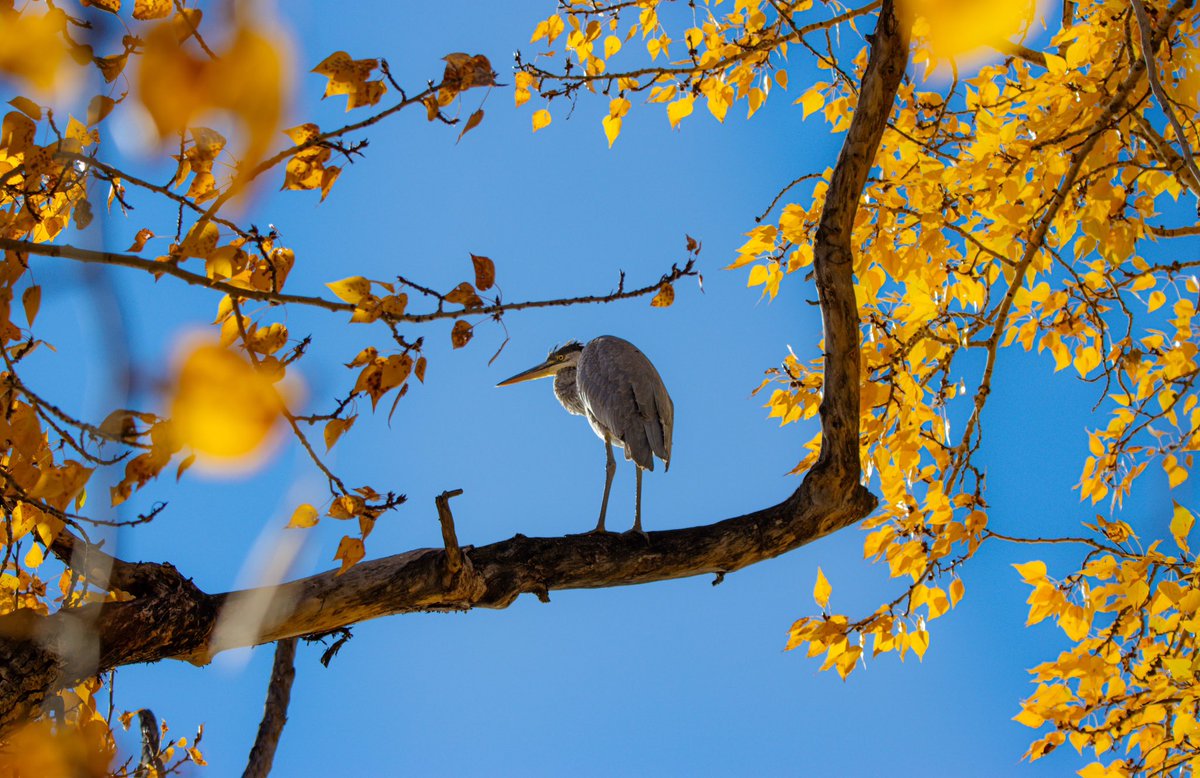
x=112 y=6
x=99 y=107
x=221 y=405
x=822 y=590
x=27 y=107
x=31 y=46
x=246 y=80
x=145 y=10
x=953 y=27
x=304 y=517
x=541 y=118
x=1181 y=524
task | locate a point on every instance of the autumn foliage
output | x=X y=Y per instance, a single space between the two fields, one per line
x=1034 y=175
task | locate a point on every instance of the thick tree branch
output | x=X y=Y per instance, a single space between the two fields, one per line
x=177 y=620
x=279 y=694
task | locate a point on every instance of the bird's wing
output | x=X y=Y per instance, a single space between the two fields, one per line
x=624 y=393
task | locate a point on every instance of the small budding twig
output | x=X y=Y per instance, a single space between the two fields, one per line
x=454 y=554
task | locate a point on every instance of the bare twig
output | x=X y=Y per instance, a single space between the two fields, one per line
x=279 y=693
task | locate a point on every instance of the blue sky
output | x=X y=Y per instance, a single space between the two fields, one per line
x=675 y=678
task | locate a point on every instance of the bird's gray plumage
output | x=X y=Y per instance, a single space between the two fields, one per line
x=620 y=393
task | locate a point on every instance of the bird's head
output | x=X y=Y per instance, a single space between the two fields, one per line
x=560 y=358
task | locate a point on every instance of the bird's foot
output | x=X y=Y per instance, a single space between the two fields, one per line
x=596 y=531
x=636 y=530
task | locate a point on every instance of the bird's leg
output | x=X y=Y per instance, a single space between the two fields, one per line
x=637 y=509
x=610 y=469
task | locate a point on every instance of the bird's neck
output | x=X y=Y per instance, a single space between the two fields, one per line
x=567 y=391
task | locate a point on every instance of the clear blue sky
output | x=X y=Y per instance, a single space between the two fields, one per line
x=678 y=678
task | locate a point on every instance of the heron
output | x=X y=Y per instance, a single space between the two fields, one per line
x=614 y=386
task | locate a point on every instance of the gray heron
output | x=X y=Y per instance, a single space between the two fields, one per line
x=612 y=384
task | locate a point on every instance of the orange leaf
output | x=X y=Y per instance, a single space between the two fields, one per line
x=31 y=299
x=349 y=551
x=472 y=122
x=485 y=272
x=139 y=240
x=461 y=334
x=464 y=295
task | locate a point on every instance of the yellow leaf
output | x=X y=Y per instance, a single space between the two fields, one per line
x=541 y=118
x=201 y=240
x=956 y=591
x=1032 y=572
x=665 y=296
x=27 y=107
x=304 y=517
x=1157 y=298
x=612 y=44
x=34 y=557
x=352 y=289
x=919 y=643
x=31 y=299
x=335 y=429
x=812 y=100
x=1176 y=474
x=612 y=128
x=680 y=108
x=1055 y=64
x=822 y=590
x=144 y=10
x=350 y=77
x=1181 y=524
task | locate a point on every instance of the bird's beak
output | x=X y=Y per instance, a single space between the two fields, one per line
x=543 y=370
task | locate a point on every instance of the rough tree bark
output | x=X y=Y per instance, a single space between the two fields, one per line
x=169 y=617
